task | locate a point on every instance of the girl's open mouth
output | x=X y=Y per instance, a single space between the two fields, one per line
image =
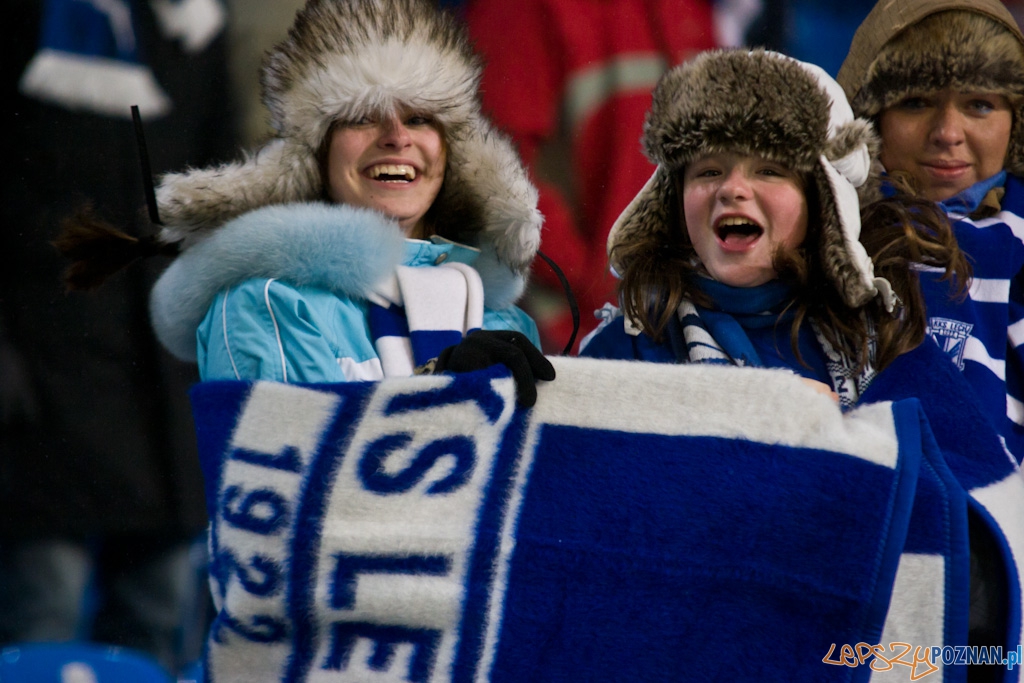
x=737 y=233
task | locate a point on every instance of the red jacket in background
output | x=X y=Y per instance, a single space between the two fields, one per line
x=571 y=81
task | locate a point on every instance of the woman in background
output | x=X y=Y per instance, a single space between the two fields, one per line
x=943 y=84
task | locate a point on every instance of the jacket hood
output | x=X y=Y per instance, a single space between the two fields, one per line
x=343 y=249
x=343 y=59
x=907 y=46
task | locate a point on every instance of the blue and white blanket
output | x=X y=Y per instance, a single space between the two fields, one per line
x=642 y=522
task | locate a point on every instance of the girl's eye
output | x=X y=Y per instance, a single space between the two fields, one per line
x=419 y=121
x=361 y=121
x=775 y=172
x=913 y=103
x=706 y=173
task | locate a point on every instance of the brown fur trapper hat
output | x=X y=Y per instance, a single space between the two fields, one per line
x=343 y=59
x=911 y=46
x=766 y=104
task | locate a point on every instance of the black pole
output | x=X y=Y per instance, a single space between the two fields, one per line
x=147 y=172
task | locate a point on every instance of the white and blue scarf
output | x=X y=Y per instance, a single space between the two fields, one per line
x=718 y=336
x=420 y=311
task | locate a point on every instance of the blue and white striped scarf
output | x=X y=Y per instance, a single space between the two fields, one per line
x=420 y=311
x=718 y=337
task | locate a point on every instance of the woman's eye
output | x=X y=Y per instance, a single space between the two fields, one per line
x=419 y=121
x=706 y=173
x=982 y=106
x=361 y=121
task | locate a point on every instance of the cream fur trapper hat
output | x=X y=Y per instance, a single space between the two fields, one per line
x=766 y=104
x=343 y=59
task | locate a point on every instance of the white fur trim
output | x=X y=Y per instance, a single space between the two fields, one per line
x=856 y=165
x=195 y=22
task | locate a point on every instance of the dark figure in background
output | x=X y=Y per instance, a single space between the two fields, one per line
x=99 y=480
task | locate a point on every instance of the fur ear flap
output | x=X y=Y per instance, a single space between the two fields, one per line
x=842 y=256
x=488 y=192
x=1015 y=152
x=193 y=203
x=649 y=212
x=849 y=136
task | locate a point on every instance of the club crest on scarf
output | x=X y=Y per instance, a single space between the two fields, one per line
x=951 y=336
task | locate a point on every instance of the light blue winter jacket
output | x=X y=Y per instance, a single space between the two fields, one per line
x=279 y=293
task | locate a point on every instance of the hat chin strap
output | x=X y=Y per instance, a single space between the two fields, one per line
x=848 y=207
x=855 y=166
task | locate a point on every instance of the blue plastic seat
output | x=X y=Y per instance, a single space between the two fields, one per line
x=78 y=662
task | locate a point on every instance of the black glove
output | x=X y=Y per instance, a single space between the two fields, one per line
x=484 y=348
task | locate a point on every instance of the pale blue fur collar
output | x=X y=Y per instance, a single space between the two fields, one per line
x=340 y=248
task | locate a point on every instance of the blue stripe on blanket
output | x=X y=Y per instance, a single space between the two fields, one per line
x=424 y=529
x=636 y=544
x=304 y=550
x=483 y=570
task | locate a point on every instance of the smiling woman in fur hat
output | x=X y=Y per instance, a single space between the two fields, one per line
x=313 y=260
x=743 y=246
x=943 y=82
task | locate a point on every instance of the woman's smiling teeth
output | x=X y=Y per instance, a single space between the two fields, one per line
x=736 y=229
x=394 y=173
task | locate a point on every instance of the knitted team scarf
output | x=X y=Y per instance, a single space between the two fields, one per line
x=718 y=336
x=980 y=200
x=421 y=311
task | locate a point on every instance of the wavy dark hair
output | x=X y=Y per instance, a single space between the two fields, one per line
x=901 y=234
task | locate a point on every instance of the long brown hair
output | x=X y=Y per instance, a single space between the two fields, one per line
x=900 y=233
